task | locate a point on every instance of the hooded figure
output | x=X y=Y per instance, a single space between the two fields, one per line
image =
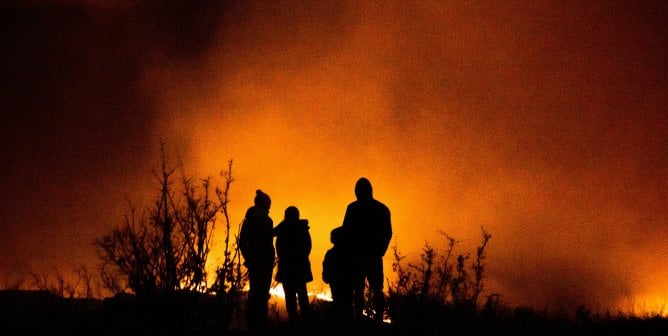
x=293 y=246
x=367 y=222
x=257 y=247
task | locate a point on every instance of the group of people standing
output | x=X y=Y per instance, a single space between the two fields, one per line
x=355 y=259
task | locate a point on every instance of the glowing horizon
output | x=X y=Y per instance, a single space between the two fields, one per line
x=543 y=122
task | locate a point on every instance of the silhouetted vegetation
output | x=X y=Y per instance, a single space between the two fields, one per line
x=166 y=251
x=154 y=265
x=440 y=295
x=85 y=284
x=164 y=254
x=438 y=287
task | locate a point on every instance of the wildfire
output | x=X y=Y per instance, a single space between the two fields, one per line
x=655 y=304
x=277 y=292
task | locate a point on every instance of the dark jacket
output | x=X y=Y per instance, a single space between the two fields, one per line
x=255 y=239
x=293 y=246
x=368 y=223
x=336 y=264
x=334 y=267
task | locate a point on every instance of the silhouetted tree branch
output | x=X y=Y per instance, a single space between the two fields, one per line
x=168 y=249
x=437 y=282
x=230 y=277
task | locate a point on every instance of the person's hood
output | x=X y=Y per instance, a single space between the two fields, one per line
x=363 y=189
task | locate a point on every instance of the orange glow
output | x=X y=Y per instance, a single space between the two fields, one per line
x=650 y=304
x=651 y=294
x=303 y=123
x=543 y=122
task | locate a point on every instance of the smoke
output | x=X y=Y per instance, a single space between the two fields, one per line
x=543 y=123
x=77 y=130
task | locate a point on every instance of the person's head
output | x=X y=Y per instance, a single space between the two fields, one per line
x=336 y=236
x=363 y=189
x=262 y=200
x=292 y=213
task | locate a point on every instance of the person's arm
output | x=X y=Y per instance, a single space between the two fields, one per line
x=327 y=268
x=276 y=230
x=387 y=230
x=308 y=243
x=244 y=244
x=307 y=238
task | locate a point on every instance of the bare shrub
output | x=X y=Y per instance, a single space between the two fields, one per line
x=167 y=250
x=230 y=276
x=81 y=285
x=436 y=283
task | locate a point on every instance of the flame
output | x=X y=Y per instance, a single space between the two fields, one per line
x=461 y=115
x=648 y=305
x=277 y=292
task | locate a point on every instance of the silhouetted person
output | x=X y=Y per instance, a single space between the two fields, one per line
x=293 y=246
x=257 y=247
x=368 y=223
x=336 y=272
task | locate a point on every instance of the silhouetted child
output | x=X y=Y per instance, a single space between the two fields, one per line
x=336 y=273
x=293 y=246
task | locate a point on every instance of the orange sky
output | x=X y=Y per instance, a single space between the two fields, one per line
x=543 y=122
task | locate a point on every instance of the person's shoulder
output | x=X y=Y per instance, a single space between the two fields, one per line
x=303 y=225
x=250 y=210
x=254 y=211
x=356 y=204
x=331 y=252
x=280 y=226
x=379 y=204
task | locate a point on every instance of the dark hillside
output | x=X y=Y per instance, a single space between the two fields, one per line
x=43 y=313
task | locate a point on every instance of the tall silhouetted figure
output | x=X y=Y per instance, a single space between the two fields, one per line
x=257 y=247
x=293 y=246
x=368 y=223
x=336 y=271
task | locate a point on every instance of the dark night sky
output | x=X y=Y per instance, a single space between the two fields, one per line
x=75 y=125
x=544 y=121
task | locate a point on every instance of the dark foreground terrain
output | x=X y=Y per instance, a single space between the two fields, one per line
x=43 y=313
